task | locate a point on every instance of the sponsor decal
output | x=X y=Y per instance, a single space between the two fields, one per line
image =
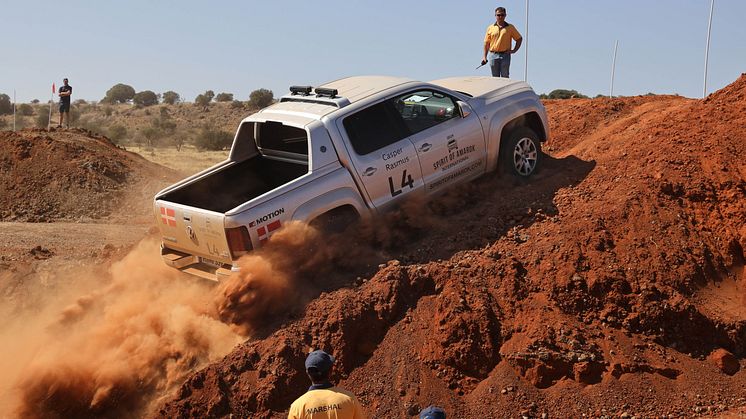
x=425 y=147
x=168 y=216
x=267 y=217
x=264 y=231
x=455 y=174
x=454 y=158
x=370 y=171
x=452 y=145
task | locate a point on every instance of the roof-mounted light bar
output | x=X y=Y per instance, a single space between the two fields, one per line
x=301 y=90
x=324 y=91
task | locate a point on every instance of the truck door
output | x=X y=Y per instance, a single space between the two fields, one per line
x=451 y=149
x=382 y=155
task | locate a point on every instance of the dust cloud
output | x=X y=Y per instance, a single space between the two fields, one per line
x=132 y=333
x=285 y=273
x=116 y=347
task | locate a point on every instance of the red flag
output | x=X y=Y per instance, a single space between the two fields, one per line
x=54 y=90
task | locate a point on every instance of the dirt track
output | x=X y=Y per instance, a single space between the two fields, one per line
x=611 y=283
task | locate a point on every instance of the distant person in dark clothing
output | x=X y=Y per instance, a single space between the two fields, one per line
x=324 y=400
x=433 y=412
x=64 y=93
x=498 y=44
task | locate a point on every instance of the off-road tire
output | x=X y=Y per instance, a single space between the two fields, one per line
x=520 y=155
x=336 y=221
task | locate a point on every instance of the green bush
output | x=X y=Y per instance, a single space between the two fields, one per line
x=4 y=123
x=108 y=110
x=93 y=124
x=564 y=94
x=117 y=133
x=42 y=120
x=210 y=138
x=119 y=93
x=261 y=98
x=236 y=104
x=170 y=97
x=145 y=98
x=25 y=109
x=6 y=107
x=224 y=97
x=35 y=101
x=152 y=135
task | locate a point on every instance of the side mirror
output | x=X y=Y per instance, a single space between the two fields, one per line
x=463 y=109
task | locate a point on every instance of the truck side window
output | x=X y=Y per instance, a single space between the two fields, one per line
x=373 y=128
x=423 y=109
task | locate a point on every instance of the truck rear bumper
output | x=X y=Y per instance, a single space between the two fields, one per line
x=193 y=265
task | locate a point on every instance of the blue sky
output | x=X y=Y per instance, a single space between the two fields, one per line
x=240 y=46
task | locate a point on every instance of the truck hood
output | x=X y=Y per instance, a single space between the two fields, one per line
x=482 y=87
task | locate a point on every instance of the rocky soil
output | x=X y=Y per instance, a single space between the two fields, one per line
x=609 y=285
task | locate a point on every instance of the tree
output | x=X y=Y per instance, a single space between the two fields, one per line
x=5 y=106
x=224 y=97
x=170 y=97
x=261 y=98
x=119 y=93
x=204 y=99
x=145 y=98
x=211 y=138
x=35 y=101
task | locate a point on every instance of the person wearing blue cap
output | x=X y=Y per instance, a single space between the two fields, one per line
x=433 y=412
x=323 y=400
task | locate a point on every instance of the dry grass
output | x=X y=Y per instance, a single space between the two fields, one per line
x=187 y=161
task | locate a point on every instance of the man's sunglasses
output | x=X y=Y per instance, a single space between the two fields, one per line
x=500 y=14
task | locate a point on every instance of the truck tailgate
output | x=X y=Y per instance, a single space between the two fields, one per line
x=196 y=232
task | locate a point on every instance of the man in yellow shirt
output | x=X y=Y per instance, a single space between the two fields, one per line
x=497 y=44
x=323 y=400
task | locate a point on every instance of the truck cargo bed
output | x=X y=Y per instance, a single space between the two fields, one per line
x=232 y=186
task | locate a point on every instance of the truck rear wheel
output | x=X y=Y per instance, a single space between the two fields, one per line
x=520 y=155
x=336 y=220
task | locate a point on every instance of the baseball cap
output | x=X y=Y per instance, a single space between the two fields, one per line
x=320 y=360
x=432 y=412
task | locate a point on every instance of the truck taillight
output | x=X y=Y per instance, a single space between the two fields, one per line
x=239 y=241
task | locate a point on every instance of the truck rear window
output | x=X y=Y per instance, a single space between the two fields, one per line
x=275 y=136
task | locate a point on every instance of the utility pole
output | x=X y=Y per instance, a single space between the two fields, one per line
x=613 y=69
x=707 y=48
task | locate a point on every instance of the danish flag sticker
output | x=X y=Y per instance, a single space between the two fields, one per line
x=168 y=216
x=264 y=232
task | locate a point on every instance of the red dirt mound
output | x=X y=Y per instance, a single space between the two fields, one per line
x=600 y=288
x=68 y=175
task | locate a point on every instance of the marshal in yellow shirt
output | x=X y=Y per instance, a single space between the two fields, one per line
x=328 y=403
x=499 y=38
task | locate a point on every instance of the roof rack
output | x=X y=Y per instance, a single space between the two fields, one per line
x=324 y=96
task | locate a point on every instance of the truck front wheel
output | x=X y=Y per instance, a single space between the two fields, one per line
x=520 y=155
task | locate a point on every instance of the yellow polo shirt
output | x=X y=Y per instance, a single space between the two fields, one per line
x=499 y=38
x=328 y=403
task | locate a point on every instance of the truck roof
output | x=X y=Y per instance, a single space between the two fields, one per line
x=354 y=89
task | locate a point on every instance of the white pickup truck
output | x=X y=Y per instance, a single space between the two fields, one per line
x=352 y=147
